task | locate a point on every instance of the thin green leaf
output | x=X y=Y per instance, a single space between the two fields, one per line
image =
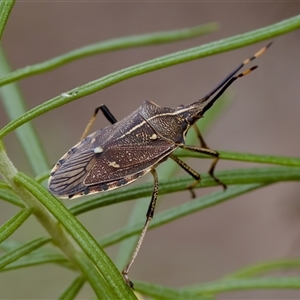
x=22 y=250
x=9 y=244
x=179 y=211
x=14 y=106
x=246 y=157
x=218 y=287
x=229 y=177
x=109 y=45
x=5 y=10
x=38 y=258
x=4 y=185
x=9 y=227
x=96 y=280
x=84 y=239
x=264 y=267
x=246 y=284
x=30 y=261
x=10 y=196
x=43 y=176
x=227 y=44
x=72 y=290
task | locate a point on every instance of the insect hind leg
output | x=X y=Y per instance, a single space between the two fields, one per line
x=149 y=217
x=209 y=152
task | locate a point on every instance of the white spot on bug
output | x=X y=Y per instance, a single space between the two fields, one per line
x=98 y=150
x=153 y=137
x=113 y=164
x=93 y=140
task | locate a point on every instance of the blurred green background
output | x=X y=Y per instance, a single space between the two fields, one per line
x=262 y=118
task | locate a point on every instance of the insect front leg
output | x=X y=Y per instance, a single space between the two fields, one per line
x=199 y=135
x=107 y=113
x=149 y=217
x=210 y=152
x=215 y=154
x=189 y=170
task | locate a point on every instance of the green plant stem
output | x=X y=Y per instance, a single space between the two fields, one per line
x=173 y=185
x=107 y=46
x=227 y=44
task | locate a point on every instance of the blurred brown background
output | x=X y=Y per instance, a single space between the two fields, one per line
x=263 y=119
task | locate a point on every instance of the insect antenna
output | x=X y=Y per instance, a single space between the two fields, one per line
x=225 y=87
x=219 y=86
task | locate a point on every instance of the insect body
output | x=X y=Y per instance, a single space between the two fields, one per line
x=119 y=154
x=126 y=150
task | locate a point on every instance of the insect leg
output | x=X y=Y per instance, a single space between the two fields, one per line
x=107 y=113
x=109 y=116
x=149 y=217
x=210 y=152
x=213 y=153
x=199 y=135
x=189 y=170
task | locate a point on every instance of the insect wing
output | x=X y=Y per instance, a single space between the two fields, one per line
x=109 y=158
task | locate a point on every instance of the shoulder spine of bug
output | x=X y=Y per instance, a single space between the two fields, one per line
x=121 y=153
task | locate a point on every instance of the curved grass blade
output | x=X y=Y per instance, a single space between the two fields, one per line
x=269 y=266
x=39 y=258
x=229 y=177
x=155 y=38
x=246 y=157
x=5 y=10
x=9 y=227
x=213 y=48
x=180 y=211
x=218 y=287
x=72 y=290
x=10 y=196
x=22 y=250
x=84 y=239
x=61 y=238
x=15 y=107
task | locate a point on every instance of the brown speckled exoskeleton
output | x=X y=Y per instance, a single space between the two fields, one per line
x=126 y=150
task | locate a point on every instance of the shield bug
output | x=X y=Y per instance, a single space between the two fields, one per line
x=121 y=153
